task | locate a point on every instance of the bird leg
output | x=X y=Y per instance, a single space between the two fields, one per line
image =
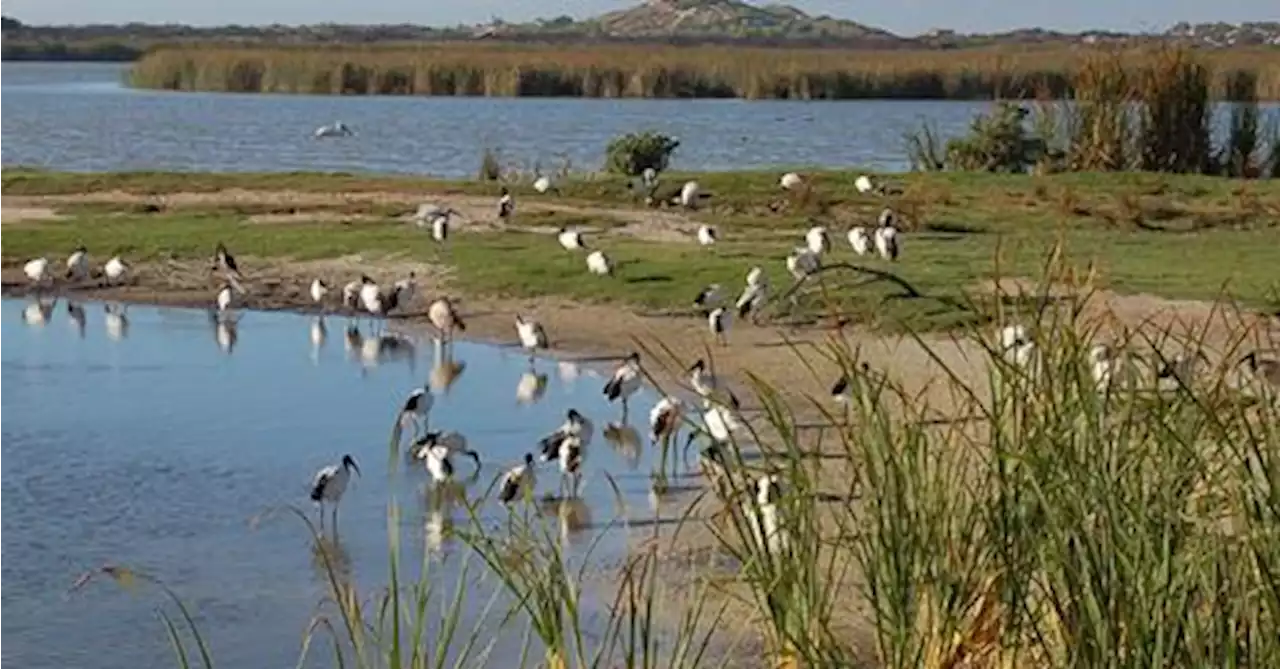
x=322 y=516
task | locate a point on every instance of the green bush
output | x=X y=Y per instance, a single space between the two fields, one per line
x=633 y=153
x=997 y=142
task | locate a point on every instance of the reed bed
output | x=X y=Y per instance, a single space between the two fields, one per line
x=1064 y=523
x=615 y=71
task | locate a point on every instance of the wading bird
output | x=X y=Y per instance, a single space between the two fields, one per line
x=408 y=287
x=533 y=337
x=517 y=480
x=1016 y=345
x=664 y=419
x=115 y=270
x=224 y=298
x=859 y=240
x=352 y=292
x=335 y=129
x=506 y=204
x=709 y=297
x=599 y=263
x=624 y=382
x=708 y=386
x=571 y=240
x=572 y=455
x=445 y=318
x=575 y=425
x=329 y=485
x=439 y=466
x=416 y=411
x=765 y=519
x=78 y=264
x=753 y=295
x=451 y=441
x=706 y=235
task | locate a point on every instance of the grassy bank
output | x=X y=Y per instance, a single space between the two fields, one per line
x=612 y=71
x=1173 y=236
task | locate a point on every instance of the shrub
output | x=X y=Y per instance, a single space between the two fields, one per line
x=633 y=153
x=997 y=142
x=490 y=166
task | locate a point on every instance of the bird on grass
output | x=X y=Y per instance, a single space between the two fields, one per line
x=533 y=337
x=707 y=235
x=817 y=240
x=445 y=318
x=865 y=184
x=78 y=264
x=790 y=181
x=802 y=262
x=625 y=381
x=115 y=270
x=518 y=481
x=753 y=295
x=690 y=193
x=440 y=226
x=571 y=240
x=544 y=184
x=859 y=240
x=575 y=425
x=506 y=204
x=37 y=271
x=886 y=236
x=709 y=297
x=600 y=264
x=329 y=485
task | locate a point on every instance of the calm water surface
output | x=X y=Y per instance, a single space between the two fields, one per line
x=77 y=116
x=153 y=446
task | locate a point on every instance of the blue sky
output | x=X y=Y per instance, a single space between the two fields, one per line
x=902 y=16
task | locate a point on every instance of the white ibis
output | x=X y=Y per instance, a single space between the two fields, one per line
x=709 y=297
x=572 y=455
x=416 y=410
x=886 y=236
x=518 y=481
x=445 y=318
x=453 y=442
x=718 y=323
x=802 y=262
x=575 y=425
x=571 y=240
x=706 y=235
x=625 y=381
x=689 y=194
x=352 y=292
x=790 y=181
x=506 y=204
x=115 y=270
x=543 y=184
x=319 y=290
x=78 y=264
x=37 y=270
x=765 y=519
x=329 y=485
x=598 y=263
x=664 y=418
x=224 y=298
x=817 y=241
x=335 y=129
x=707 y=385
x=224 y=261
x=533 y=337
x=1016 y=345
x=859 y=240
x=439 y=466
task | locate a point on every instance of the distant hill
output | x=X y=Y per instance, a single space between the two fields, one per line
x=727 y=18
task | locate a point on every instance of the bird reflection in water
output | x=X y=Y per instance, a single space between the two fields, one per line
x=75 y=312
x=626 y=441
x=117 y=321
x=37 y=313
x=331 y=561
x=439 y=500
x=572 y=513
x=378 y=349
x=352 y=341
x=226 y=330
x=319 y=333
x=531 y=387
x=445 y=371
x=568 y=371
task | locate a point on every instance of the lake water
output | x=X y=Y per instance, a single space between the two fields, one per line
x=154 y=445
x=78 y=116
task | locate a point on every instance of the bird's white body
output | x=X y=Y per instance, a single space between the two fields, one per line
x=817 y=241
x=37 y=270
x=1101 y=366
x=571 y=240
x=706 y=235
x=532 y=336
x=859 y=240
x=718 y=322
x=224 y=298
x=438 y=464
x=506 y=205
x=318 y=291
x=542 y=184
x=37 y=313
x=116 y=322
x=864 y=184
x=887 y=242
x=335 y=129
x=517 y=480
x=78 y=265
x=598 y=263
x=440 y=228
x=572 y=455
x=625 y=381
x=703 y=382
x=764 y=519
x=370 y=297
x=719 y=421
x=752 y=298
x=115 y=269
x=802 y=262
x=790 y=180
x=332 y=482
x=1016 y=345
x=689 y=193
x=664 y=417
x=442 y=315
x=755 y=277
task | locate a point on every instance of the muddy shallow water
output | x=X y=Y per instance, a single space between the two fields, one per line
x=153 y=440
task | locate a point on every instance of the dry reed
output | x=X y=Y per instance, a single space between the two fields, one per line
x=614 y=71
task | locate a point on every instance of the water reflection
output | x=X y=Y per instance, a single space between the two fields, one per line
x=568 y=370
x=625 y=441
x=226 y=331
x=319 y=333
x=331 y=562
x=573 y=516
x=39 y=312
x=75 y=312
x=116 y=321
x=531 y=387
x=445 y=371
